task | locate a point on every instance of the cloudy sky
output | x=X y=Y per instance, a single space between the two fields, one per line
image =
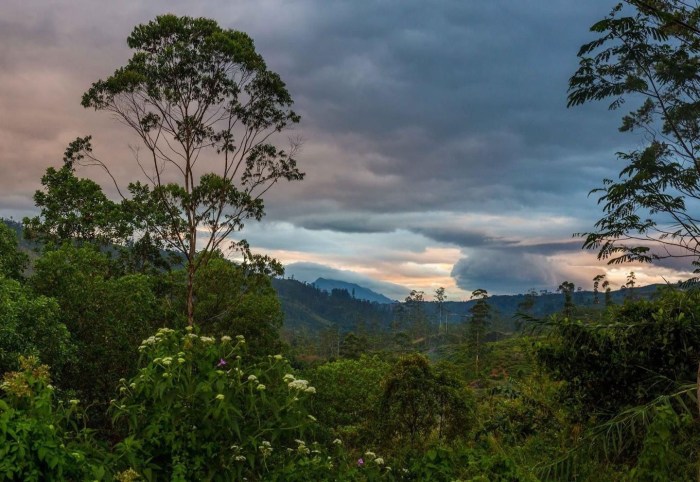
x=437 y=144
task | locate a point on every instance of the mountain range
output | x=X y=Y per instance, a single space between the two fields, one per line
x=355 y=290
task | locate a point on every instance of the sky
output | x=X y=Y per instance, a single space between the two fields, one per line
x=437 y=145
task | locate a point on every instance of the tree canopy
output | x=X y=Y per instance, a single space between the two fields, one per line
x=206 y=109
x=647 y=53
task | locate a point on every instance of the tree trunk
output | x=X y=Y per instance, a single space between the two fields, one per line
x=190 y=294
x=697 y=381
x=190 y=272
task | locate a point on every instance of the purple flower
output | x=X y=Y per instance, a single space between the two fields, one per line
x=360 y=462
x=222 y=363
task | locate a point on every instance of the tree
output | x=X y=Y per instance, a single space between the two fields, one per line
x=526 y=308
x=13 y=262
x=440 y=299
x=30 y=325
x=648 y=50
x=480 y=319
x=417 y=402
x=107 y=316
x=76 y=210
x=596 y=285
x=196 y=94
x=352 y=346
x=234 y=300
x=608 y=294
x=416 y=319
x=630 y=284
x=567 y=289
x=348 y=395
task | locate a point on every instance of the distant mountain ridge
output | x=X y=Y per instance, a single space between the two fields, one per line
x=307 y=306
x=356 y=291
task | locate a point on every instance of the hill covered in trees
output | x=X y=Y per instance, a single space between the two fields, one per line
x=312 y=309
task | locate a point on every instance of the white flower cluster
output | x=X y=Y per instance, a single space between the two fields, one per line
x=299 y=385
x=265 y=448
x=152 y=340
x=302 y=448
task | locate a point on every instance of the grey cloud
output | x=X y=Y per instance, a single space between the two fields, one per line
x=407 y=107
x=462 y=103
x=356 y=223
x=465 y=238
x=498 y=271
x=548 y=249
x=503 y=271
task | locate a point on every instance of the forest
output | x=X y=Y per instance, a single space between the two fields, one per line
x=139 y=342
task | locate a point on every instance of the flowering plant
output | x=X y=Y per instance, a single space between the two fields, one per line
x=199 y=409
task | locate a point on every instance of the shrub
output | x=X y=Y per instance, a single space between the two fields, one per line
x=198 y=409
x=420 y=404
x=107 y=316
x=39 y=440
x=30 y=325
x=348 y=397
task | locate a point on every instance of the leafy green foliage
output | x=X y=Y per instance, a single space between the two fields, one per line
x=233 y=299
x=644 y=350
x=649 y=54
x=106 y=316
x=39 y=440
x=12 y=261
x=199 y=410
x=349 y=393
x=418 y=404
x=74 y=209
x=661 y=458
x=30 y=325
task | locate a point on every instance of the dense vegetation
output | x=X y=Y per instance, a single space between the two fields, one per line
x=126 y=354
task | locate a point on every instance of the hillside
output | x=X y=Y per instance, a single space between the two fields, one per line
x=355 y=290
x=306 y=306
x=309 y=307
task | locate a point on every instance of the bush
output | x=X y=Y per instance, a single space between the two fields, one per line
x=30 y=325
x=198 y=409
x=643 y=351
x=39 y=440
x=107 y=316
x=420 y=404
x=348 y=397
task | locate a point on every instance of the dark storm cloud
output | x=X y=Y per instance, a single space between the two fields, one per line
x=456 y=105
x=413 y=113
x=464 y=238
x=503 y=271
x=549 y=249
x=466 y=100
